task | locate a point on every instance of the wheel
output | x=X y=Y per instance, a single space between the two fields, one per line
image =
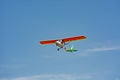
x=58 y=49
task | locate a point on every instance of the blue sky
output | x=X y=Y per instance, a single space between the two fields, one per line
x=25 y=22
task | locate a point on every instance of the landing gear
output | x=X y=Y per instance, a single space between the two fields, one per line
x=58 y=49
x=60 y=45
x=61 y=48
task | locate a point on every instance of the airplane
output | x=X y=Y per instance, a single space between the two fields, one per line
x=62 y=42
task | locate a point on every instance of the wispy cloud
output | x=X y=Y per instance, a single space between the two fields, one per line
x=99 y=49
x=117 y=79
x=53 y=77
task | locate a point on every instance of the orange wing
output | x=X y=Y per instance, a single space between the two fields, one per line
x=64 y=40
x=48 y=42
x=73 y=38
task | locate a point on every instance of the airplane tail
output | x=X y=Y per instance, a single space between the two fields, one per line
x=72 y=49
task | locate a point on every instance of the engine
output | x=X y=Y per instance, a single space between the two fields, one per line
x=59 y=44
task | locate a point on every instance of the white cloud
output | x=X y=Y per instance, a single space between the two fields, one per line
x=117 y=79
x=99 y=49
x=53 y=77
x=103 y=49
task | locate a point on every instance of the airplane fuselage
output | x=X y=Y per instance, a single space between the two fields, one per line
x=60 y=44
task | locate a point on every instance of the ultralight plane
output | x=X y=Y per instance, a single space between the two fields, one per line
x=61 y=43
